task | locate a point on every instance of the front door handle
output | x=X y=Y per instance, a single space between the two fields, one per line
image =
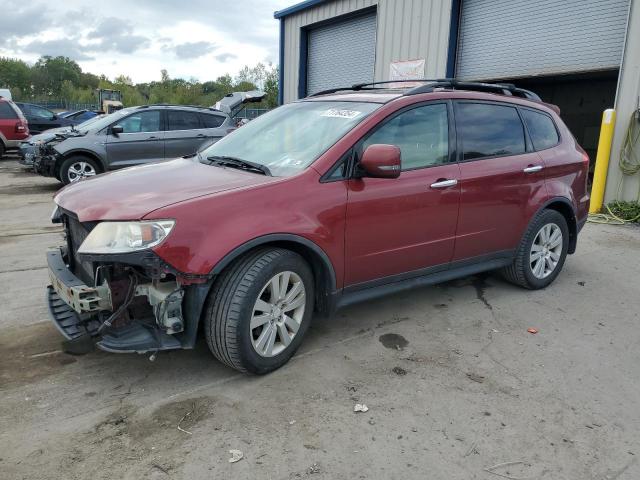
x=444 y=184
x=533 y=169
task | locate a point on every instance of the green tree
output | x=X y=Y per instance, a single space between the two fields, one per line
x=16 y=75
x=48 y=74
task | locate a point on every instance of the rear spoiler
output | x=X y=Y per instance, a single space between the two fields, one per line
x=233 y=102
x=553 y=107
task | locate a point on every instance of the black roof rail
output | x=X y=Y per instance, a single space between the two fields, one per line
x=363 y=86
x=177 y=105
x=454 y=84
x=431 y=84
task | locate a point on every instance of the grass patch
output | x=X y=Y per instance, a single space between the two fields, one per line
x=628 y=211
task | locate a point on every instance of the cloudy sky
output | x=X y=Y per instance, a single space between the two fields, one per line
x=190 y=38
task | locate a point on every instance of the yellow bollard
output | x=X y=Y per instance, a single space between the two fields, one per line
x=602 y=160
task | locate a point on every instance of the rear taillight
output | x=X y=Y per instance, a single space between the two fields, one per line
x=22 y=127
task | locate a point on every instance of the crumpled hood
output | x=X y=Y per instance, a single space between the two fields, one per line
x=132 y=193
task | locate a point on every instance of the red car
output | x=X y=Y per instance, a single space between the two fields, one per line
x=13 y=126
x=338 y=198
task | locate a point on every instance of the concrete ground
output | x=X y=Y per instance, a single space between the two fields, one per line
x=456 y=387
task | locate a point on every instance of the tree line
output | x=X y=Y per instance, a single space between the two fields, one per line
x=60 y=78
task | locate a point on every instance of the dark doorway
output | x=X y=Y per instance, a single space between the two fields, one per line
x=581 y=97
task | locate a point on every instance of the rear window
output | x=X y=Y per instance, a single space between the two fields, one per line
x=541 y=128
x=181 y=120
x=489 y=130
x=6 y=111
x=211 y=121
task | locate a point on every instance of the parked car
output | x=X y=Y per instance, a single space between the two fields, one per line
x=131 y=136
x=79 y=115
x=30 y=149
x=335 y=199
x=41 y=119
x=13 y=126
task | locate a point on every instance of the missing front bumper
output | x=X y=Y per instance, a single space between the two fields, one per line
x=77 y=310
x=73 y=291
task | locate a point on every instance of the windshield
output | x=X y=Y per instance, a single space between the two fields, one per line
x=88 y=123
x=288 y=139
x=107 y=120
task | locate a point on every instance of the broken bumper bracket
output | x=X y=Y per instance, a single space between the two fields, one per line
x=66 y=319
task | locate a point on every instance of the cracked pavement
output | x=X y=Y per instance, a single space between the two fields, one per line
x=455 y=385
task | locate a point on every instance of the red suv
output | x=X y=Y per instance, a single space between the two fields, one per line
x=13 y=126
x=338 y=198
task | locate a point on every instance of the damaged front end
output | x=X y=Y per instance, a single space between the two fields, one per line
x=131 y=302
x=42 y=154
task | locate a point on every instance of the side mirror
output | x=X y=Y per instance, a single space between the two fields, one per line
x=117 y=130
x=381 y=161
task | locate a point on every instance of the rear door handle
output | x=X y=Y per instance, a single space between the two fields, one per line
x=444 y=184
x=533 y=169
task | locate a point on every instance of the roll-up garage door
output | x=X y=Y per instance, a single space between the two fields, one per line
x=341 y=54
x=522 y=38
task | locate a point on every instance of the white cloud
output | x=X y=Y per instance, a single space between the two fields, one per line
x=201 y=39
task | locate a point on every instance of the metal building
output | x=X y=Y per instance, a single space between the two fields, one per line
x=568 y=51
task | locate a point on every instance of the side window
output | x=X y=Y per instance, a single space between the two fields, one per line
x=84 y=116
x=422 y=134
x=210 y=120
x=147 y=121
x=541 y=129
x=6 y=111
x=489 y=130
x=181 y=120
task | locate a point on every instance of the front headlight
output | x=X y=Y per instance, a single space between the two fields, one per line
x=125 y=237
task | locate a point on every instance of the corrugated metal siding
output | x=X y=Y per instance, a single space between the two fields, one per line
x=341 y=53
x=620 y=186
x=407 y=29
x=293 y=25
x=410 y=30
x=520 y=38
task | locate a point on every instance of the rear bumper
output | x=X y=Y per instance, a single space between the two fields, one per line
x=13 y=143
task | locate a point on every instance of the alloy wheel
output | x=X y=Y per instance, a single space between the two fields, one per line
x=79 y=170
x=277 y=314
x=546 y=250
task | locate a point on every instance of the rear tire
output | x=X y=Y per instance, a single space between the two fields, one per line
x=76 y=168
x=541 y=253
x=248 y=323
x=2 y=149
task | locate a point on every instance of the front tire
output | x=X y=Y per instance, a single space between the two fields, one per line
x=75 y=168
x=541 y=253
x=259 y=310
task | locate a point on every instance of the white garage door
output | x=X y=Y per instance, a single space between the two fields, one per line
x=341 y=54
x=521 y=38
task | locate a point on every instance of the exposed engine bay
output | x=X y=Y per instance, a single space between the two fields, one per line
x=133 y=301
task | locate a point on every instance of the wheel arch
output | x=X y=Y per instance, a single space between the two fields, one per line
x=80 y=153
x=564 y=206
x=323 y=271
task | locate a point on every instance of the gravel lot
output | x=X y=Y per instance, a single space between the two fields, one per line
x=456 y=387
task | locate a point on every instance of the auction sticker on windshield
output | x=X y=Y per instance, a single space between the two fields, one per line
x=339 y=113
